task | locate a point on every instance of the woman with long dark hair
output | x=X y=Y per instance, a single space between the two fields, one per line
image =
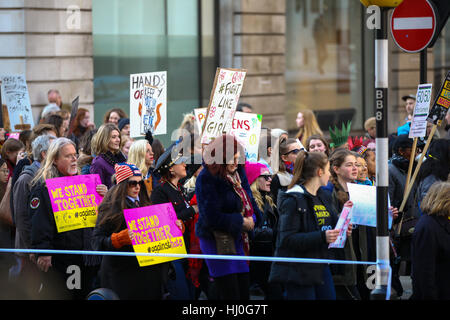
x=123 y=274
x=80 y=125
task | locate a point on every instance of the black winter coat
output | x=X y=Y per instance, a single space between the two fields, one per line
x=430 y=258
x=299 y=236
x=44 y=234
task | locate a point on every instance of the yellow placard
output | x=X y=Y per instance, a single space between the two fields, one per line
x=73 y=219
x=171 y=245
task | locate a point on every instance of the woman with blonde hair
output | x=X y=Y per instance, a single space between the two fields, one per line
x=307 y=124
x=106 y=146
x=430 y=254
x=141 y=154
x=264 y=235
x=125 y=144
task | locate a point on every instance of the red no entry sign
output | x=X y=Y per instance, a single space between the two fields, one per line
x=413 y=25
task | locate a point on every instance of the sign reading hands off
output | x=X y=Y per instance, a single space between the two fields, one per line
x=148 y=103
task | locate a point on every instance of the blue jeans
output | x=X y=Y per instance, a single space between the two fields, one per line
x=324 y=291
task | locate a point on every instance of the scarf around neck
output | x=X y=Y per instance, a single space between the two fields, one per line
x=247 y=209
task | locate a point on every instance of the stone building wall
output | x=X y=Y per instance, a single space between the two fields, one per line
x=43 y=40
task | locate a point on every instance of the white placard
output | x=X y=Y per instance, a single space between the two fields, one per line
x=364 y=210
x=246 y=127
x=148 y=103
x=16 y=98
x=223 y=102
x=421 y=110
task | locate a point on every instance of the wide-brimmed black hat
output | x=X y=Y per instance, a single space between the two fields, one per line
x=171 y=157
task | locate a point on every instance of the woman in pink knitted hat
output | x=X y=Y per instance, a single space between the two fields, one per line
x=263 y=241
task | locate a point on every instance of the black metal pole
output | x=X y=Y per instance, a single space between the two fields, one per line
x=423 y=66
x=382 y=177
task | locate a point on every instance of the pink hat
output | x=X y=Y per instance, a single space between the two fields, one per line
x=253 y=170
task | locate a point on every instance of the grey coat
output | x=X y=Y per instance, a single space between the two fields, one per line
x=21 y=191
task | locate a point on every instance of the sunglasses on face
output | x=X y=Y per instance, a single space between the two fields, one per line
x=133 y=183
x=267 y=177
x=295 y=151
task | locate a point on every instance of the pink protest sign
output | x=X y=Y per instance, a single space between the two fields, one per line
x=155 y=232
x=74 y=201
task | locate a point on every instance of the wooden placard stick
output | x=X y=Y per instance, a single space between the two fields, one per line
x=22 y=126
x=419 y=164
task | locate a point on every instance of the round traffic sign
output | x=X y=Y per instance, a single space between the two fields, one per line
x=413 y=25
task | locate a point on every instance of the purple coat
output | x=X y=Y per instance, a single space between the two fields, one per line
x=103 y=169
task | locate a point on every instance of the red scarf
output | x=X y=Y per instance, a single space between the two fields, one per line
x=247 y=209
x=195 y=265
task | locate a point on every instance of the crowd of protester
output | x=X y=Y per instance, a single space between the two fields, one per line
x=284 y=205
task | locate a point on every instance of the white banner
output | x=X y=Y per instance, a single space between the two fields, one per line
x=223 y=102
x=246 y=127
x=421 y=109
x=148 y=103
x=16 y=98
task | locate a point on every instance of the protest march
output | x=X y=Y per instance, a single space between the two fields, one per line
x=233 y=207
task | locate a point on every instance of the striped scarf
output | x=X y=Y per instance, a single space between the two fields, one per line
x=247 y=209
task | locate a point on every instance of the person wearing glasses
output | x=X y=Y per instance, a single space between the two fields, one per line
x=61 y=161
x=285 y=154
x=122 y=274
x=264 y=236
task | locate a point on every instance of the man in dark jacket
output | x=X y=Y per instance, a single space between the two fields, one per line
x=21 y=191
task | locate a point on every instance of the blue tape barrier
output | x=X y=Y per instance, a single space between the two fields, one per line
x=191 y=256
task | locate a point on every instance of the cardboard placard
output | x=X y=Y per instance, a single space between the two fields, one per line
x=224 y=98
x=148 y=103
x=15 y=96
x=441 y=103
x=421 y=110
x=246 y=127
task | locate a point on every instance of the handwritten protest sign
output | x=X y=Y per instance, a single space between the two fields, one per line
x=225 y=95
x=421 y=109
x=156 y=232
x=342 y=224
x=17 y=100
x=441 y=104
x=148 y=103
x=364 y=210
x=246 y=127
x=74 y=201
